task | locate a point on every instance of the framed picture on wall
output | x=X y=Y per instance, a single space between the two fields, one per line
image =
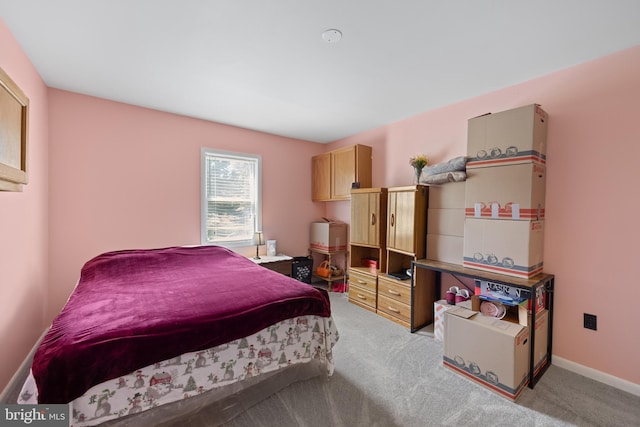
x=14 y=110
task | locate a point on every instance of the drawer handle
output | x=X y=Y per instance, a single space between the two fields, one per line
x=395 y=310
x=362 y=282
x=394 y=292
x=361 y=296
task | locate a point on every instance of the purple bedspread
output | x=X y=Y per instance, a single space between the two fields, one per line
x=133 y=308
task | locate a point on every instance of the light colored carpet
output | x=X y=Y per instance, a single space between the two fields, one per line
x=386 y=376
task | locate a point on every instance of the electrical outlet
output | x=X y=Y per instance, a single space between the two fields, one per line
x=591 y=321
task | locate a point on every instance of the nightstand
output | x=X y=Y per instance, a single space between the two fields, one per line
x=278 y=263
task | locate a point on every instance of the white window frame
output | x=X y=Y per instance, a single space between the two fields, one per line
x=256 y=160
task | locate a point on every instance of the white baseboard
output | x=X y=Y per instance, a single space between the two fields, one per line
x=593 y=374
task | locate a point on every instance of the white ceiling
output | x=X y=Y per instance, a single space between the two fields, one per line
x=263 y=65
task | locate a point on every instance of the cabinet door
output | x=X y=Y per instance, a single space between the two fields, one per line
x=365 y=219
x=321 y=177
x=360 y=212
x=405 y=217
x=343 y=169
x=401 y=221
x=373 y=220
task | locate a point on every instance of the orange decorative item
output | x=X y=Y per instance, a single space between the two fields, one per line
x=324 y=270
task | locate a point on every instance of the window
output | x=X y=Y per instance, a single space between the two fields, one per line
x=231 y=199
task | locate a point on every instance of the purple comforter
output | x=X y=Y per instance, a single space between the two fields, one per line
x=133 y=308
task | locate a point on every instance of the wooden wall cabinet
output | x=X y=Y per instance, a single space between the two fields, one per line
x=321 y=177
x=333 y=173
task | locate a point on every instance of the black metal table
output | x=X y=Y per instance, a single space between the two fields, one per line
x=542 y=281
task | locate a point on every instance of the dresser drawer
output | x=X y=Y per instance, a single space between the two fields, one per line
x=362 y=296
x=394 y=290
x=363 y=281
x=394 y=308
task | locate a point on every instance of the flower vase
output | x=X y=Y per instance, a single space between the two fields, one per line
x=418 y=172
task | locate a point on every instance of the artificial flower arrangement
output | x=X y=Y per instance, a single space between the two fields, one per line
x=419 y=161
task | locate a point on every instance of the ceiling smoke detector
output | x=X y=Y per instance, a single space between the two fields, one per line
x=332 y=36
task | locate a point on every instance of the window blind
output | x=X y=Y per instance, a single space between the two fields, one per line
x=231 y=197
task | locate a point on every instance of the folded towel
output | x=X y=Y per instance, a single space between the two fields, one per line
x=455 y=164
x=442 y=178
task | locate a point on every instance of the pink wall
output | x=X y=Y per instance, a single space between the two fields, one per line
x=23 y=224
x=129 y=177
x=591 y=235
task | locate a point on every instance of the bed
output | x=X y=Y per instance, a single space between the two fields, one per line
x=150 y=335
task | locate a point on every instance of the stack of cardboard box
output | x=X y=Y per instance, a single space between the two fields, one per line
x=503 y=233
x=505 y=192
x=445 y=223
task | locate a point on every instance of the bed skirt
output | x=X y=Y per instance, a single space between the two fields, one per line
x=214 y=385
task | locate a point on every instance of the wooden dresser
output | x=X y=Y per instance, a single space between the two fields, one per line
x=362 y=289
x=389 y=225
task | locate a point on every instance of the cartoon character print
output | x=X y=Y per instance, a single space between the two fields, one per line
x=252 y=352
x=273 y=337
x=307 y=350
x=318 y=353
x=201 y=361
x=103 y=407
x=213 y=378
x=135 y=403
x=228 y=370
x=290 y=335
x=248 y=370
x=139 y=382
x=263 y=352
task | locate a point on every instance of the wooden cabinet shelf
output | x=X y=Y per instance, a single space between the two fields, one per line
x=330 y=256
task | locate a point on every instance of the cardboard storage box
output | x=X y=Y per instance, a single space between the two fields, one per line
x=511 y=295
x=449 y=222
x=447 y=196
x=439 y=307
x=445 y=248
x=509 y=247
x=506 y=192
x=491 y=352
x=508 y=137
x=328 y=236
